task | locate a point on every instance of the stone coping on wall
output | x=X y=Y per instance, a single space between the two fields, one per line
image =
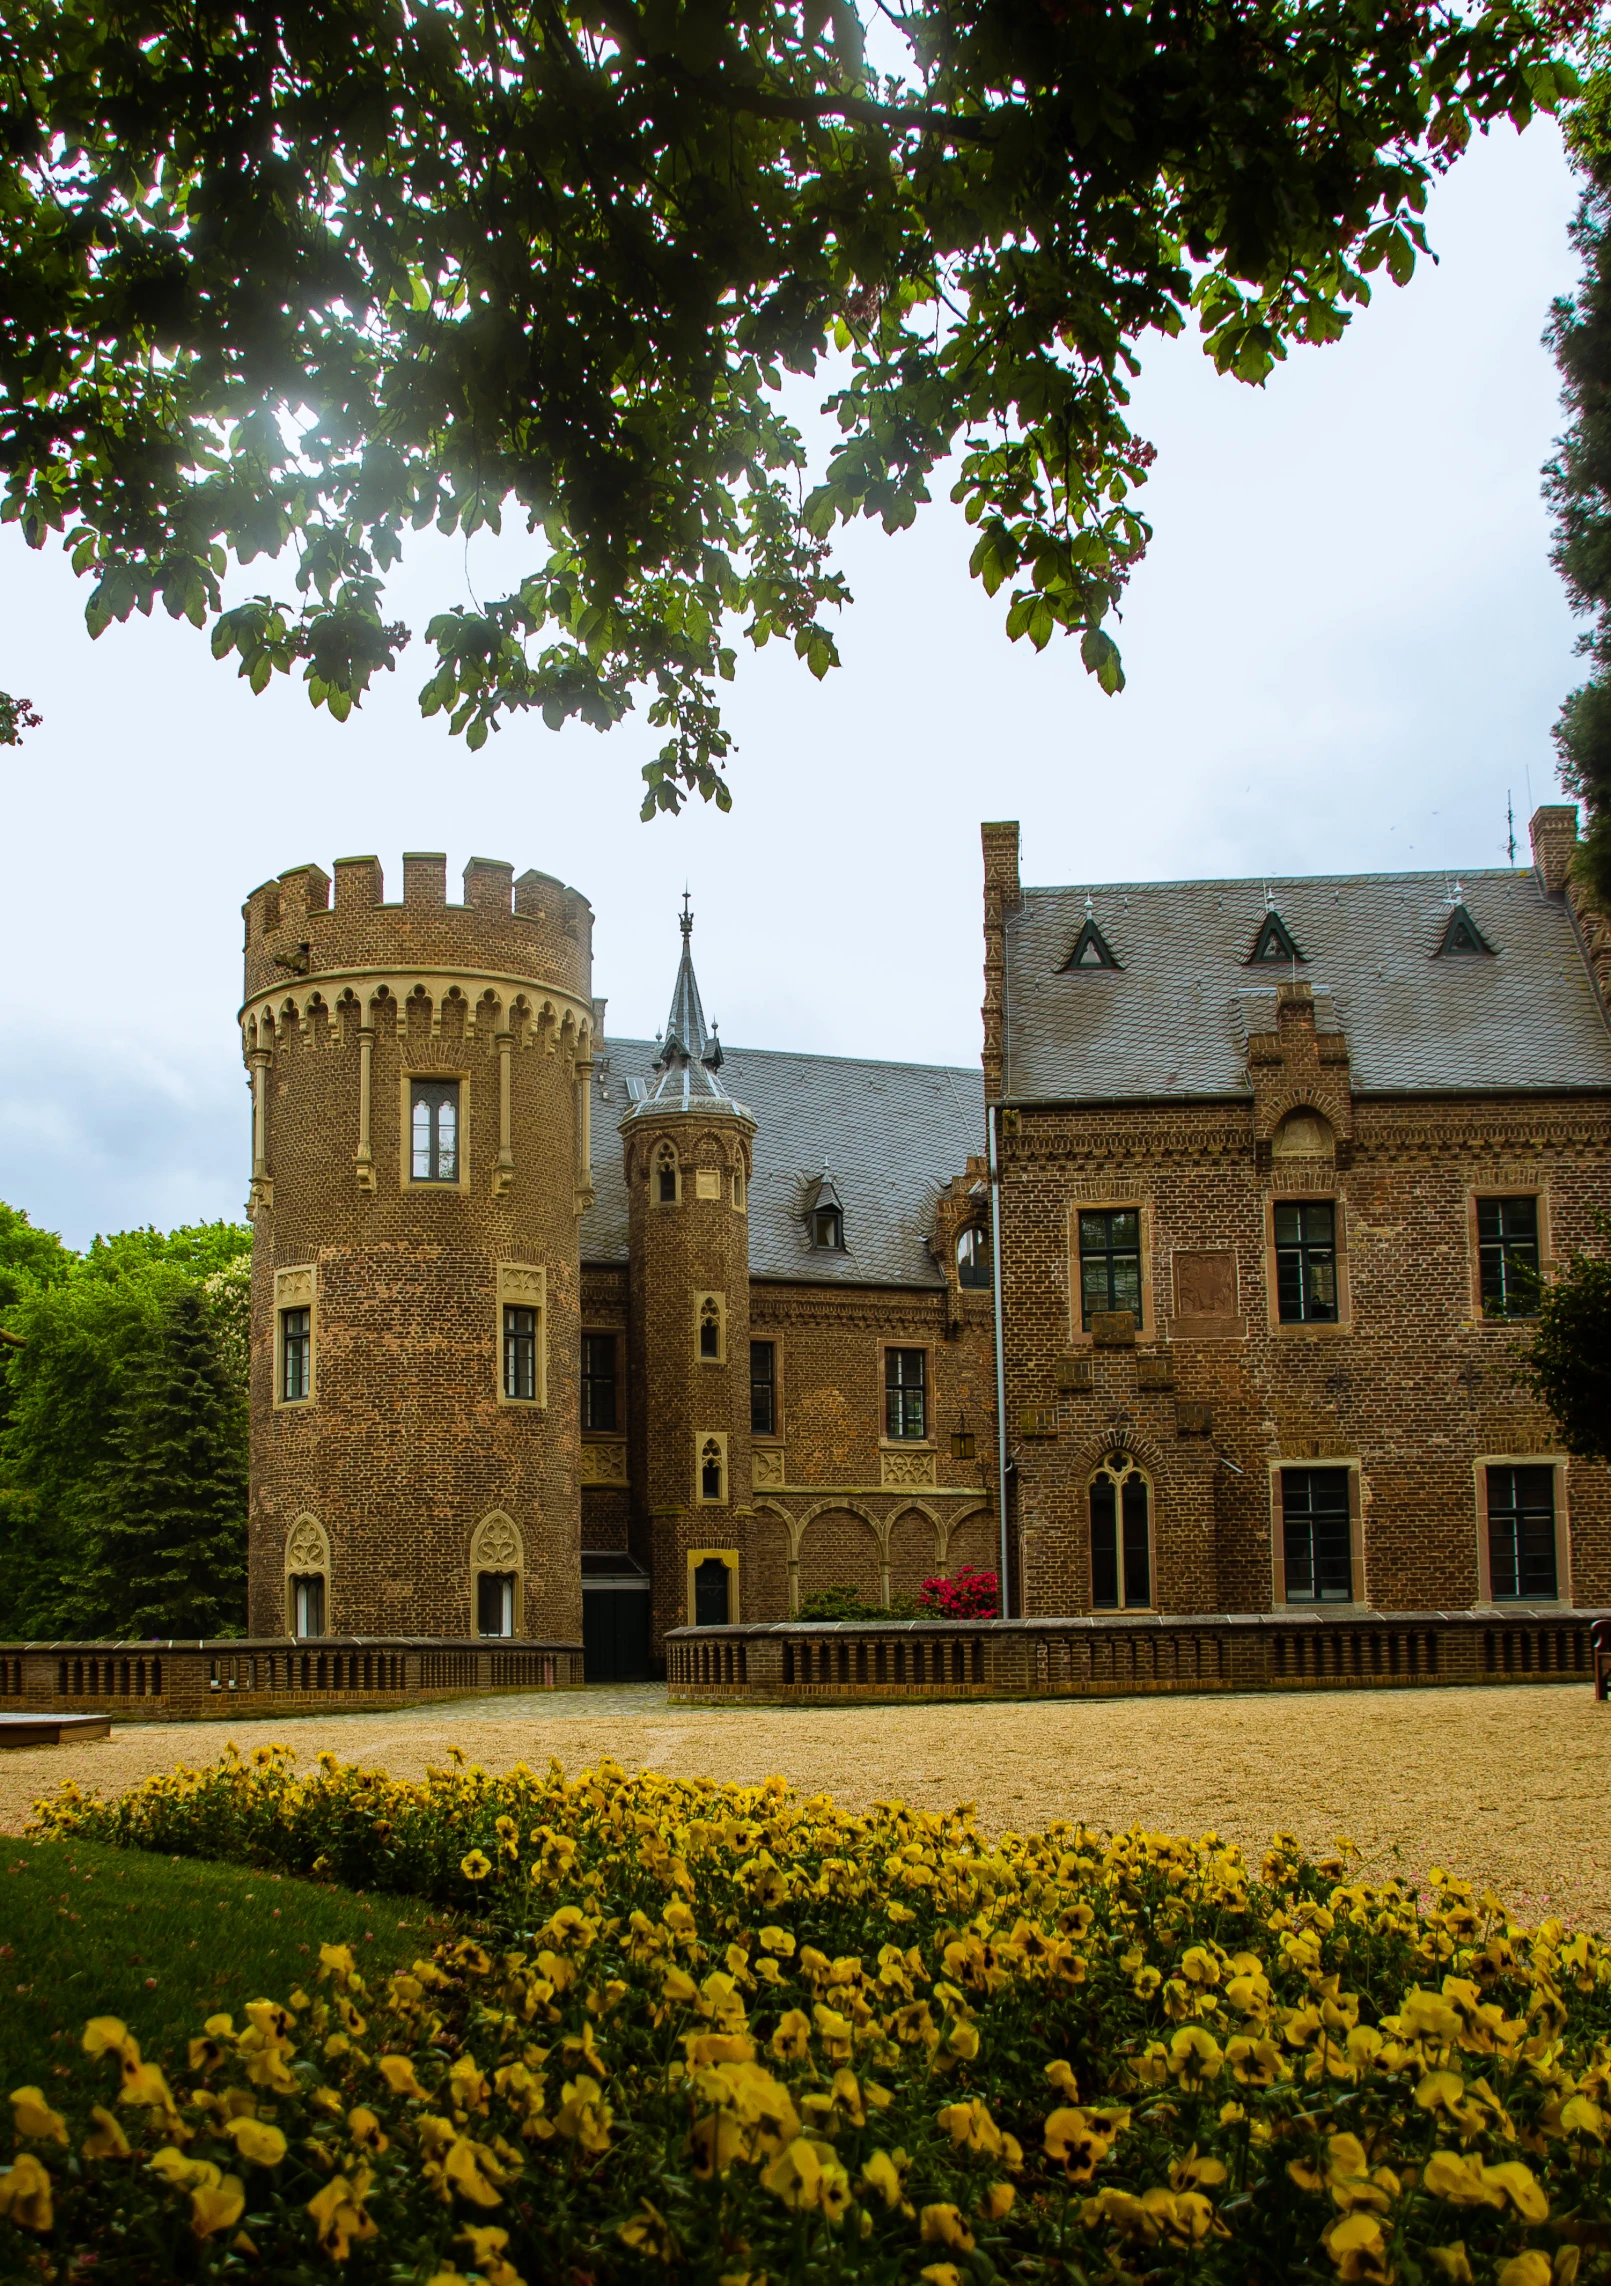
x=1116 y=1655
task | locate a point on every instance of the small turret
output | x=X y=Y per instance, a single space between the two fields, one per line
x=687 y=1148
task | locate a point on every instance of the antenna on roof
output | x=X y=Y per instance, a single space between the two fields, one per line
x=1510 y=821
x=1269 y=898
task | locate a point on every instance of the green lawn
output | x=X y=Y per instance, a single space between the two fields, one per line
x=163 y=1942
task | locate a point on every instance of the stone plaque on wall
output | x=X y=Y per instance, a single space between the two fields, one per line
x=604 y=1464
x=1205 y=1296
x=766 y=1463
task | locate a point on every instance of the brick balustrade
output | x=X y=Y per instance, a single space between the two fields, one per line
x=1113 y=1658
x=191 y=1681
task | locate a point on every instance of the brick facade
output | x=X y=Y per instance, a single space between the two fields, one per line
x=1412 y=1390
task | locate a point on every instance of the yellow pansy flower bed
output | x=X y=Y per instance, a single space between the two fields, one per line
x=728 y=2034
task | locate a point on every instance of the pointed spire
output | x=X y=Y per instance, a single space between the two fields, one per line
x=686 y=1022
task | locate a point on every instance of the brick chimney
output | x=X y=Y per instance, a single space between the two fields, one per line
x=1002 y=895
x=1553 y=833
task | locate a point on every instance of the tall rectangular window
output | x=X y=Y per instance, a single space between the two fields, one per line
x=296 y=1354
x=598 y=1381
x=1110 y=1262
x=434 y=1130
x=1316 y=1535
x=307 y=1604
x=905 y=1393
x=1521 y=1535
x=495 y=1603
x=763 y=1389
x=1121 y=1545
x=1306 y=1261
x=519 y=1352
x=1507 y=1257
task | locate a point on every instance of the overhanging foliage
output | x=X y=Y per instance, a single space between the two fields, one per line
x=309 y=277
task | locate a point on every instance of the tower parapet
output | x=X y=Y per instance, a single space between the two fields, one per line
x=420 y=1159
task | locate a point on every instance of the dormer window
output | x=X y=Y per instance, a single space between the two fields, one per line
x=973 y=1256
x=1274 y=944
x=825 y=1218
x=1091 y=949
x=1461 y=935
x=434 y=1130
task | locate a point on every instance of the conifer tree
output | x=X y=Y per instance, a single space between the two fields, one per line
x=1578 y=482
x=169 y=1547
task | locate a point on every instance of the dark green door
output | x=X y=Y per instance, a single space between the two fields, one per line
x=615 y=1634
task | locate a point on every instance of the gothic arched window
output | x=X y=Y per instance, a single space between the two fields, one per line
x=1121 y=1536
x=973 y=1256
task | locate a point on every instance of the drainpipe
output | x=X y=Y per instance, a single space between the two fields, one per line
x=1001 y=1363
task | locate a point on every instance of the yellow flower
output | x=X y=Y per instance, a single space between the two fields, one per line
x=337 y=1960
x=217 y=2206
x=805 y=2173
x=363 y=2125
x=1078 y=2140
x=1529 y=2269
x=486 y=2244
x=942 y=2274
x=107 y=2139
x=398 y=2073
x=257 y=2142
x=475 y=1866
x=649 y=2233
x=881 y=2174
x=999 y=2199
x=792 y=2039
x=942 y=2225
x=1061 y=2075
x=777 y=1941
x=1356 y=2246
x=1195 y=2056
x=339 y=2214
x=25 y=2193
x=1452 y=2263
x=33 y=2117
x=964 y=2042
x=105 y=2035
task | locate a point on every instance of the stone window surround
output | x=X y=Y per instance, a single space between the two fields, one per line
x=1104 y=1202
x=296 y=1288
x=500 y=1557
x=720 y=1300
x=1140 y=1468
x=405 y=1128
x=1282 y=1193
x=777 y=1436
x=703 y=1437
x=665 y=1153
x=307 y=1553
x=1557 y=1461
x=1532 y=1184
x=521 y=1286
x=728 y=1556
x=928 y=1442
x=740 y=1191
x=1356 y=1530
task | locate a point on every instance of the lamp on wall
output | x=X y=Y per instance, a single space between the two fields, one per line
x=964 y=1445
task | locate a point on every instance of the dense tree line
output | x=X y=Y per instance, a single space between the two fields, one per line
x=123 y=1432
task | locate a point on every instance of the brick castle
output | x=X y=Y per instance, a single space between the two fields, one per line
x=560 y=1334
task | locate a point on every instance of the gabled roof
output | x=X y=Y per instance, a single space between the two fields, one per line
x=1174 y=1021
x=892 y=1134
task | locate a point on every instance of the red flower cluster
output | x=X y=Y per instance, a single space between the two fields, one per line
x=970 y=1595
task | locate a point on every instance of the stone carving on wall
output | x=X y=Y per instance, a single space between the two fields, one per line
x=767 y=1466
x=604 y=1464
x=293 y=1289
x=496 y=1547
x=1205 y=1295
x=896 y=1471
x=307 y=1549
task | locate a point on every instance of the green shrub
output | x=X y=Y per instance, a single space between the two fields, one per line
x=725 y=2034
x=831 y=1603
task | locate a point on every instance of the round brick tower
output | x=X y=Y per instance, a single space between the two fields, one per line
x=419 y=1078
x=688 y=1162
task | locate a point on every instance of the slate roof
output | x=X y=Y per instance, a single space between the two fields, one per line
x=890 y=1135
x=1173 y=1019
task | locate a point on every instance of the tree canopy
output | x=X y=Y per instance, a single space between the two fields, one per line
x=305 y=277
x=1569 y=1362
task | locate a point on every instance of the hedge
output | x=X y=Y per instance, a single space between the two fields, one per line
x=727 y=2034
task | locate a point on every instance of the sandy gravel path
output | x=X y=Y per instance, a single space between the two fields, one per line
x=1509 y=1786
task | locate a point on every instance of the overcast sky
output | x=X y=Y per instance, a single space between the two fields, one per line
x=1345 y=648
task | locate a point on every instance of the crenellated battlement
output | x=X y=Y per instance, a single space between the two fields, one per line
x=533 y=932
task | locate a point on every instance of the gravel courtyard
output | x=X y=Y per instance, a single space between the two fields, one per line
x=1507 y=1786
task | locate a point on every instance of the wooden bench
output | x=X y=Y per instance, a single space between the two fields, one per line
x=1600 y=1638
x=51 y=1729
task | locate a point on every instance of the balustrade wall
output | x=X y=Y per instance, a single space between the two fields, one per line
x=186 y=1682
x=1095 y=1658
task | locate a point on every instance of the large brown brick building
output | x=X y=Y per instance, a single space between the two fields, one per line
x=558 y=1334
x=1279 y=1164
x=555 y=1332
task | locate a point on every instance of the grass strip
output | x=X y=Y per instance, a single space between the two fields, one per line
x=87 y=1930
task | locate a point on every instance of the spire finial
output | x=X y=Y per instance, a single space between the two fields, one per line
x=686 y=917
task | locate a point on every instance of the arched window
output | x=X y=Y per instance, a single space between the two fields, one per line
x=665 y=1171
x=740 y=1195
x=1121 y=1536
x=307 y=1577
x=497 y=1561
x=710 y=1470
x=710 y=1328
x=973 y=1256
